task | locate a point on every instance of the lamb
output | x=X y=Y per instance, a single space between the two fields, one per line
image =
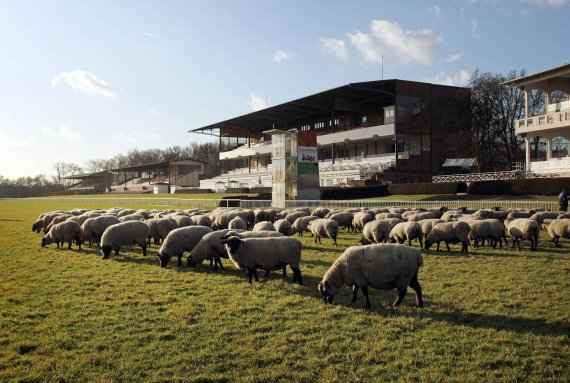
x=264 y=226
x=382 y=267
x=301 y=224
x=266 y=254
x=449 y=232
x=67 y=231
x=124 y=233
x=159 y=228
x=557 y=228
x=237 y=223
x=406 y=231
x=375 y=232
x=180 y=240
x=93 y=228
x=487 y=229
x=523 y=228
x=322 y=227
x=284 y=226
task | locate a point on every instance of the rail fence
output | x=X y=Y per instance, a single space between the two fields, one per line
x=185 y=203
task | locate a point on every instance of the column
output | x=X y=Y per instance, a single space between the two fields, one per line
x=548 y=148
x=526 y=105
x=527 y=153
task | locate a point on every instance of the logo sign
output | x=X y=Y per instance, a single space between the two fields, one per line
x=307 y=154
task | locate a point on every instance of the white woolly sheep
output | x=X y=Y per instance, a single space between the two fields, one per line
x=423 y=215
x=264 y=226
x=542 y=215
x=320 y=212
x=291 y=217
x=563 y=215
x=407 y=231
x=382 y=267
x=523 y=228
x=284 y=227
x=380 y=216
x=301 y=224
x=428 y=224
x=124 y=233
x=132 y=217
x=449 y=232
x=158 y=228
x=202 y=220
x=375 y=232
x=344 y=219
x=182 y=220
x=93 y=228
x=360 y=219
x=266 y=254
x=487 y=229
x=62 y=232
x=58 y=219
x=557 y=228
x=180 y=240
x=322 y=227
x=237 y=223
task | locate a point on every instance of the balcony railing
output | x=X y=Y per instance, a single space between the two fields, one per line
x=557 y=116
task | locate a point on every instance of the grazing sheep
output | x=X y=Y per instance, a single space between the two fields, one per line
x=320 y=212
x=202 y=220
x=301 y=224
x=449 y=232
x=542 y=215
x=375 y=232
x=487 y=229
x=322 y=227
x=132 y=217
x=125 y=212
x=266 y=254
x=237 y=223
x=62 y=232
x=392 y=222
x=180 y=240
x=380 y=216
x=407 y=231
x=58 y=219
x=382 y=267
x=557 y=228
x=428 y=224
x=182 y=220
x=360 y=219
x=521 y=214
x=563 y=216
x=291 y=217
x=158 y=228
x=344 y=219
x=423 y=215
x=523 y=228
x=264 y=226
x=93 y=228
x=284 y=226
x=124 y=233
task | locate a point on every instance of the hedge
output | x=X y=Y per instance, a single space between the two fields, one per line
x=428 y=188
x=533 y=186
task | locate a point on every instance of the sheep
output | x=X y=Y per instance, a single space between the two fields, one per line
x=542 y=215
x=182 y=220
x=58 y=219
x=380 y=216
x=375 y=232
x=67 y=231
x=180 y=240
x=428 y=224
x=392 y=221
x=563 y=215
x=406 y=231
x=423 y=215
x=523 y=228
x=125 y=212
x=344 y=219
x=202 y=220
x=490 y=229
x=449 y=232
x=237 y=223
x=132 y=217
x=93 y=228
x=557 y=228
x=266 y=254
x=124 y=233
x=322 y=227
x=301 y=224
x=521 y=214
x=320 y=212
x=284 y=226
x=45 y=219
x=159 y=228
x=360 y=219
x=264 y=226
x=381 y=266
x=291 y=217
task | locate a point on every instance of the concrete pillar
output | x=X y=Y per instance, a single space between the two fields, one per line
x=527 y=153
x=526 y=104
x=548 y=148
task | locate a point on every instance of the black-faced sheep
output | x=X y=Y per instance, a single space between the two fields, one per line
x=322 y=227
x=523 y=228
x=68 y=231
x=407 y=231
x=124 y=233
x=180 y=240
x=556 y=229
x=449 y=232
x=382 y=267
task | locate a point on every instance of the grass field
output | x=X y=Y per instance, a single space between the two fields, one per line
x=69 y=316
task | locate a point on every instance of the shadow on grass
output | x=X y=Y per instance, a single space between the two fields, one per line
x=10 y=220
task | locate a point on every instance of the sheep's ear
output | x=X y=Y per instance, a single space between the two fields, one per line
x=223 y=240
x=321 y=288
x=242 y=241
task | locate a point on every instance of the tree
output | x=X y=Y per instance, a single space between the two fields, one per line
x=64 y=169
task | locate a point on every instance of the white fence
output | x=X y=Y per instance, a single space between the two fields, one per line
x=172 y=203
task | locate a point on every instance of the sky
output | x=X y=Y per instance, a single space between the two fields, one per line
x=90 y=79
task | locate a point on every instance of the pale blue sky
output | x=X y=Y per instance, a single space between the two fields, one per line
x=90 y=79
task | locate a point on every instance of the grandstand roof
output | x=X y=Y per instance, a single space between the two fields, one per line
x=88 y=175
x=345 y=98
x=156 y=165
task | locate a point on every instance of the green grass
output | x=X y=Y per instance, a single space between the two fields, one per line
x=463 y=197
x=69 y=316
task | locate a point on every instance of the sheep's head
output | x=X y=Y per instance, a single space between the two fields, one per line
x=106 y=251
x=428 y=242
x=232 y=244
x=44 y=242
x=164 y=259
x=545 y=223
x=35 y=226
x=324 y=289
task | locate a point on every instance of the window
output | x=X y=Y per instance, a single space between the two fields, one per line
x=364 y=119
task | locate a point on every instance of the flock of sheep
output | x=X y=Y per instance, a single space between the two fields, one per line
x=270 y=245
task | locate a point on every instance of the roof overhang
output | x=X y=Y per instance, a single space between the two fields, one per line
x=561 y=73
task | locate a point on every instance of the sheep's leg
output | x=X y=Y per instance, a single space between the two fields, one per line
x=255 y=274
x=415 y=285
x=365 y=292
x=401 y=294
x=266 y=275
x=285 y=272
x=297 y=276
x=148 y=241
x=355 y=288
x=179 y=260
x=556 y=241
x=143 y=247
x=219 y=261
x=465 y=246
x=69 y=245
x=421 y=244
x=438 y=246
x=447 y=244
x=334 y=240
x=116 y=251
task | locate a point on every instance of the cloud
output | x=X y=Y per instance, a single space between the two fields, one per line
x=388 y=38
x=155 y=113
x=67 y=133
x=548 y=3
x=153 y=35
x=136 y=137
x=454 y=58
x=15 y=142
x=460 y=79
x=257 y=103
x=85 y=82
x=435 y=10
x=5 y=116
x=335 y=47
x=474 y=25
x=280 y=55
